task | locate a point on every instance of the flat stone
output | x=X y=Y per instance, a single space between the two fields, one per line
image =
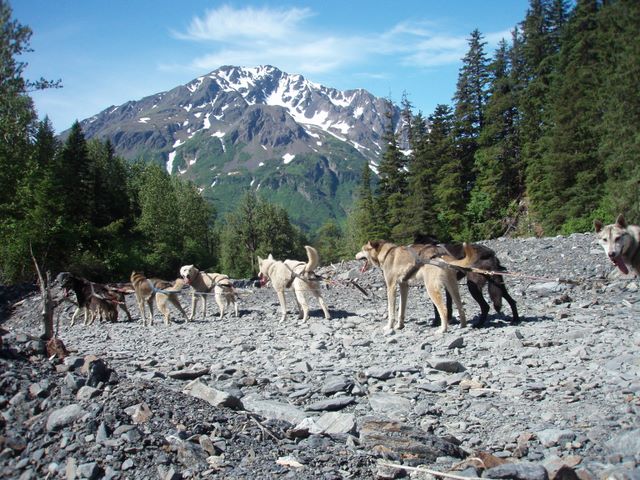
x=331 y=404
x=517 y=471
x=188 y=374
x=445 y=365
x=217 y=398
x=403 y=440
x=64 y=416
x=336 y=423
x=337 y=384
x=389 y=404
x=273 y=409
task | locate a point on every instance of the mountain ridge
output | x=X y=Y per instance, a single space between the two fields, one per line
x=237 y=128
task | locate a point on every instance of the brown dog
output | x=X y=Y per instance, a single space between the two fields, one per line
x=487 y=260
x=400 y=264
x=146 y=289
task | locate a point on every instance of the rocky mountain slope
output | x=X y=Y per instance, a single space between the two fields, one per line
x=555 y=396
x=300 y=143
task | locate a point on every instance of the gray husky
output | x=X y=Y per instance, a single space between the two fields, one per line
x=621 y=243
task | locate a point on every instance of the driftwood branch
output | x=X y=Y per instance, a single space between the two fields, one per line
x=47 y=303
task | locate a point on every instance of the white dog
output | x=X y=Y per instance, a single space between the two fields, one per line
x=202 y=283
x=295 y=274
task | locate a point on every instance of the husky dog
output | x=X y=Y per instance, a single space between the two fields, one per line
x=202 y=282
x=621 y=243
x=163 y=291
x=486 y=259
x=400 y=264
x=296 y=275
x=95 y=299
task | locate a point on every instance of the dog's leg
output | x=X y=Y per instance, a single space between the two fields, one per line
x=193 y=305
x=391 y=303
x=301 y=300
x=476 y=292
x=283 y=304
x=150 y=304
x=203 y=299
x=404 y=294
x=454 y=291
x=124 y=308
x=73 y=317
x=511 y=301
x=176 y=303
x=218 y=297
x=435 y=295
x=314 y=288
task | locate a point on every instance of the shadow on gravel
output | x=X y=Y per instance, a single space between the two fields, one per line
x=501 y=321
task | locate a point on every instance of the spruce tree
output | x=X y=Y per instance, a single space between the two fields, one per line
x=421 y=217
x=498 y=151
x=620 y=147
x=449 y=202
x=572 y=168
x=470 y=99
x=392 y=184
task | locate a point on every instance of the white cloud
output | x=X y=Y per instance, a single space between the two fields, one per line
x=228 y=24
x=283 y=37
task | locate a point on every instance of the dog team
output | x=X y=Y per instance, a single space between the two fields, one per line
x=439 y=266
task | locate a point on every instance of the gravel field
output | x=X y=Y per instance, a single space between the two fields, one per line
x=556 y=395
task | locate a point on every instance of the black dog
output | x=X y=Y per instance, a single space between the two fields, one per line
x=486 y=260
x=95 y=299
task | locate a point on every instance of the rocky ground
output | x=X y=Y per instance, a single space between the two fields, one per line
x=556 y=395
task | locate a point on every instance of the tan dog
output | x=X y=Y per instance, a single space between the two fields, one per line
x=296 y=275
x=203 y=283
x=400 y=264
x=621 y=243
x=163 y=291
x=486 y=259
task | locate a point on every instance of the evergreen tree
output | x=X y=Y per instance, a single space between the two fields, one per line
x=571 y=165
x=329 y=242
x=620 y=147
x=542 y=31
x=498 y=151
x=392 y=185
x=161 y=233
x=440 y=155
x=421 y=217
x=257 y=228
x=363 y=222
x=470 y=99
x=75 y=174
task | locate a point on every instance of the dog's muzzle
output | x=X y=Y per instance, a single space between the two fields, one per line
x=263 y=280
x=619 y=262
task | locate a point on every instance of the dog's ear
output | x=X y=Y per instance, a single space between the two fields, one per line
x=597 y=224
x=621 y=222
x=270 y=257
x=376 y=244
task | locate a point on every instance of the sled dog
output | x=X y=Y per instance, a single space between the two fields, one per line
x=146 y=289
x=94 y=299
x=297 y=275
x=203 y=283
x=621 y=243
x=400 y=264
x=486 y=259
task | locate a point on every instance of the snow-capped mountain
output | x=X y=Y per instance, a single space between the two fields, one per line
x=239 y=128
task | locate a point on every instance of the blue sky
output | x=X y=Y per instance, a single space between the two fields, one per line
x=110 y=51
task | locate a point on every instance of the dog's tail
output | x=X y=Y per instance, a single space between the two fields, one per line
x=470 y=256
x=314 y=259
x=164 y=286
